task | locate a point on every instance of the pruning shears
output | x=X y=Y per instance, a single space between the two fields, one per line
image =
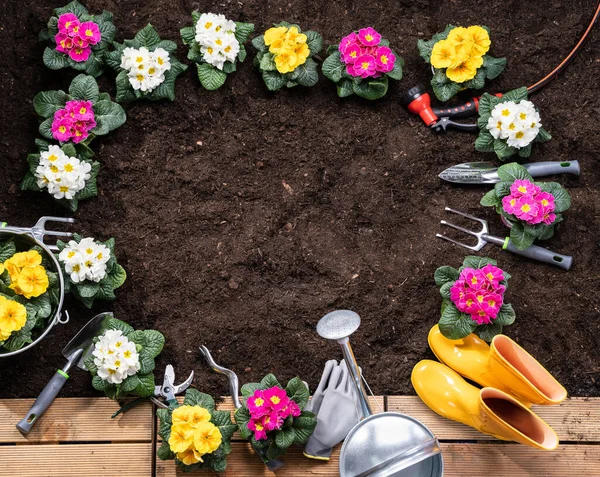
x=167 y=391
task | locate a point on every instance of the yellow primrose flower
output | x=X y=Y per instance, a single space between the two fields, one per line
x=1 y=268
x=13 y=270
x=33 y=281
x=302 y=51
x=198 y=415
x=442 y=54
x=475 y=60
x=181 y=415
x=481 y=39
x=13 y=316
x=461 y=39
x=462 y=72
x=293 y=36
x=207 y=438
x=277 y=46
x=182 y=437
x=286 y=61
x=273 y=34
x=190 y=456
x=26 y=259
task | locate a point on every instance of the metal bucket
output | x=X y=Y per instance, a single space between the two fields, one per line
x=28 y=237
x=389 y=444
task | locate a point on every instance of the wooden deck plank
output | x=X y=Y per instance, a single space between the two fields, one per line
x=460 y=460
x=574 y=420
x=76 y=420
x=77 y=460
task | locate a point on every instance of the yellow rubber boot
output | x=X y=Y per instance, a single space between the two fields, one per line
x=503 y=365
x=488 y=410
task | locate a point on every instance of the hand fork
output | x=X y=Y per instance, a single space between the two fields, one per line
x=38 y=231
x=483 y=237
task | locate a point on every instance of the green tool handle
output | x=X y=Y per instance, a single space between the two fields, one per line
x=43 y=401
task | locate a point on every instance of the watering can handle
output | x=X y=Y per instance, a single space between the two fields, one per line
x=361 y=393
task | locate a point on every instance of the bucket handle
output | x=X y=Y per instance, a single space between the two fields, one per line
x=61 y=320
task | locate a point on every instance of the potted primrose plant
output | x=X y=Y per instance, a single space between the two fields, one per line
x=473 y=299
x=272 y=418
x=509 y=125
x=90 y=269
x=122 y=362
x=29 y=292
x=215 y=44
x=285 y=56
x=362 y=64
x=531 y=209
x=459 y=60
x=195 y=434
x=146 y=67
x=62 y=172
x=77 y=116
x=78 y=40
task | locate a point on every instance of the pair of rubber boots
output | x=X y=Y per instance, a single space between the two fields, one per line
x=512 y=381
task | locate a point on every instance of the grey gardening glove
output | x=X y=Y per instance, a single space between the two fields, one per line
x=337 y=412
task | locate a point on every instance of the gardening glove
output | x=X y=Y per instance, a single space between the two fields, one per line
x=336 y=416
x=315 y=403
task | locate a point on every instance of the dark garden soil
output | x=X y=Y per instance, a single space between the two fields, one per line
x=243 y=216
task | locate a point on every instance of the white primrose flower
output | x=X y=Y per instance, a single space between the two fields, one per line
x=216 y=36
x=115 y=357
x=518 y=124
x=85 y=260
x=145 y=69
x=62 y=175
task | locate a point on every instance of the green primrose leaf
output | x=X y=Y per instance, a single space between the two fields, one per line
x=513 y=171
x=332 y=67
x=248 y=389
x=109 y=116
x=502 y=189
x=444 y=275
x=7 y=250
x=148 y=37
x=443 y=88
x=396 y=73
x=116 y=324
x=344 y=88
x=99 y=384
x=243 y=32
x=484 y=142
x=193 y=397
x=371 y=89
x=493 y=66
x=477 y=82
x=258 y=42
x=515 y=95
x=491 y=199
x=455 y=325
x=188 y=35
x=210 y=77
x=46 y=128
x=525 y=151
x=445 y=289
x=473 y=261
x=146 y=385
x=285 y=437
x=84 y=87
x=274 y=80
x=46 y=103
x=314 y=42
x=306 y=74
x=55 y=60
x=521 y=236
x=543 y=136
x=506 y=315
x=118 y=276
x=503 y=150
x=487 y=332
x=269 y=381
x=298 y=392
x=164 y=451
x=267 y=62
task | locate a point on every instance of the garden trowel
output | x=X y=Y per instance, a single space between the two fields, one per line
x=487 y=173
x=76 y=351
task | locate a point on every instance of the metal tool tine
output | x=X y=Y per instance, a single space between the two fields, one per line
x=470 y=247
x=476 y=219
x=57 y=234
x=457 y=227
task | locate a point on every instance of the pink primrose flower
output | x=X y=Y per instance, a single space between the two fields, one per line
x=522 y=187
x=66 y=22
x=526 y=208
x=255 y=425
x=364 y=66
x=348 y=40
x=257 y=404
x=276 y=398
x=61 y=129
x=90 y=32
x=369 y=37
x=493 y=275
x=457 y=291
x=385 y=59
x=491 y=304
x=80 y=54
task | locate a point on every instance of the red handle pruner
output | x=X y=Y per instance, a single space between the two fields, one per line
x=418 y=101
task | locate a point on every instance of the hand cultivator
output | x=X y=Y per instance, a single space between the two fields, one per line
x=485 y=172
x=39 y=232
x=533 y=252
